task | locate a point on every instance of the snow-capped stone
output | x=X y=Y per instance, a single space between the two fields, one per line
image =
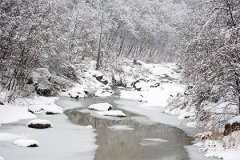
x=77 y=95
x=26 y=143
x=45 y=109
x=39 y=124
x=104 y=92
x=100 y=107
x=36 y=109
x=77 y=91
x=114 y=113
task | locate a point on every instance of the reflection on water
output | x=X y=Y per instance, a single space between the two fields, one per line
x=141 y=143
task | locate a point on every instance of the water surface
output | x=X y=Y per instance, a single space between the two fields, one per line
x=132 y=138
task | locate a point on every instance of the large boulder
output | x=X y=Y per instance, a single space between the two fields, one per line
x=229 y=128
x=44 y=90
x=39 y=124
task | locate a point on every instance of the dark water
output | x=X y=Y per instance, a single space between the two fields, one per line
x=145 y=141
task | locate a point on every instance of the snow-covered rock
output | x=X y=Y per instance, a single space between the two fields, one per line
x=77 y=95
x=114 y=113
x=39 y=124
x=45 y=109
x=77 y=91
x=26 y=143
x=104 y=92
x=100 y=107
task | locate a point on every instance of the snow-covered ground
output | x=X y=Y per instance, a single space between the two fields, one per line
x=153 y=86
x=156 y=103
x=52 y=142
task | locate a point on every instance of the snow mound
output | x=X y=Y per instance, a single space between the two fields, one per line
x=114 y=113
x=39 y=124
x=104 y=93
x=46 y=109
x=26 y=143
x=120 y=127
x=100 y=107
x=76 y=95
x=77 y=91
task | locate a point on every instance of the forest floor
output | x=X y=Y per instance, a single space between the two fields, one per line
x=154 y=85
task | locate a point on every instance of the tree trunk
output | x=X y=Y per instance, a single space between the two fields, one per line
x=99 y=45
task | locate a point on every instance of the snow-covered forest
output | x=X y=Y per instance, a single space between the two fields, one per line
x=173 y=62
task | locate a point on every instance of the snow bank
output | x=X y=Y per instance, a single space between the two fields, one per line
x=114 y=113
x=155 y=96
x=40 y=104
x=104 y=93
x=100 y=107
x=77 y=91
x=10 y=114
x=26 y=143
x=133 y=95
x=227 y=148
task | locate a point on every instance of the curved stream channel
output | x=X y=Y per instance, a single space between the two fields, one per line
x=141 y=139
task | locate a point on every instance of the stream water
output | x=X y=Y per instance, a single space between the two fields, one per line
x=132 y=138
